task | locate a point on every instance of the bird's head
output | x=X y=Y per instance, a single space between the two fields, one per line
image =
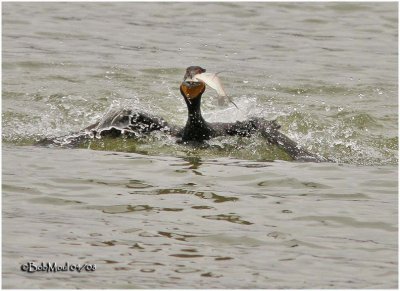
x=192 y=89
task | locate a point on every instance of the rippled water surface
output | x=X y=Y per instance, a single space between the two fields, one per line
x=238 y=214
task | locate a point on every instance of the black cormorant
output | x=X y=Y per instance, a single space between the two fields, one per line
x=130 y=123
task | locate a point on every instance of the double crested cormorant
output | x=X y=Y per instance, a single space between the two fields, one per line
x=129 y=123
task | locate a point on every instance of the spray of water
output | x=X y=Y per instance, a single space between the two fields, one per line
x=345 y=136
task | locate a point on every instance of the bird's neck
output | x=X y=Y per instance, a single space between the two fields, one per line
x=194 y=111
x=196 y=128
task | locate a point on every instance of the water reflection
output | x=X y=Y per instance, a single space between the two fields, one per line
x=204 y=195
x=228 y=217
x=177 y=236
x=193 y=162
x=115 y=209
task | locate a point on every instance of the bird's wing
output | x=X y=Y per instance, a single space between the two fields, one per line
x=114 y=117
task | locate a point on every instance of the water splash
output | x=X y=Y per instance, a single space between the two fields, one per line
x=346 y=136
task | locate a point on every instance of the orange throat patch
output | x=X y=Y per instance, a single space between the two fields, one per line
x=194 y=91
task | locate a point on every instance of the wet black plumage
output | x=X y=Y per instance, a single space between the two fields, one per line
x=116 y=123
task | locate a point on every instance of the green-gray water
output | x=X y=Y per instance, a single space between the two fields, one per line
x=153 y=214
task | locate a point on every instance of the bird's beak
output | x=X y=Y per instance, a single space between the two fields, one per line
x=187 y=75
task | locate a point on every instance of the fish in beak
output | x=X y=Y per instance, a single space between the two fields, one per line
x=212 y=80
